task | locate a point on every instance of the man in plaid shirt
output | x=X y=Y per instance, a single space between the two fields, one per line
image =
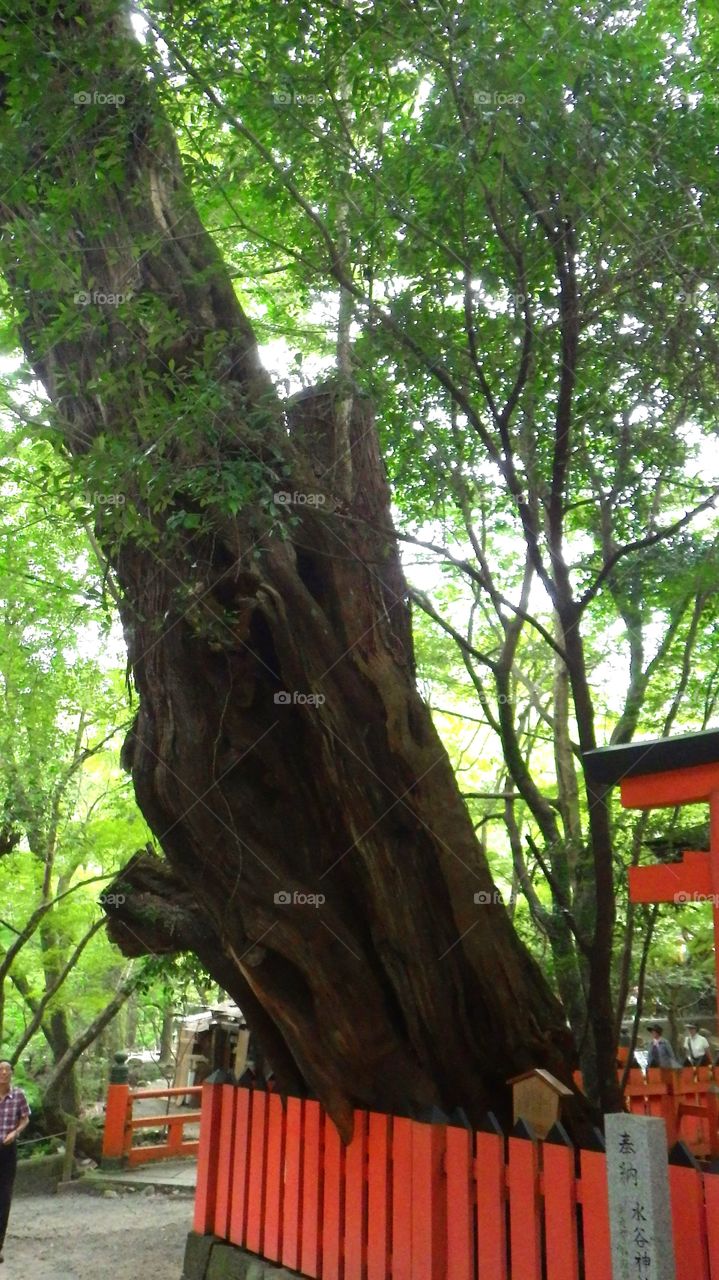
x=14 y=1117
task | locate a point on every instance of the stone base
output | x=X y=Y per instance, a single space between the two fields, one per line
x=40 y=1175
x=207 y=1258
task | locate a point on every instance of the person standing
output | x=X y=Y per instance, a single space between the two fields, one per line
x=696 y=1047
x=14 y=1117
x=661 y=1053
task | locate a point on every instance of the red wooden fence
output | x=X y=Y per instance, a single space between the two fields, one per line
x=413 y=1201
x=685 y=1099
x=121 y=1126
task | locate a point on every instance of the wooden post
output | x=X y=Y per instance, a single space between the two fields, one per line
x=68 y=1159
x=116 y=1113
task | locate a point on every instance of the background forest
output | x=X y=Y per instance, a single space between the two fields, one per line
x=497 y=224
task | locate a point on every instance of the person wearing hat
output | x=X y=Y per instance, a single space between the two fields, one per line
x=696 y=1047
x=661 y=1053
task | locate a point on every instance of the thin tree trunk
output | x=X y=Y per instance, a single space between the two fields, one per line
x=55 y=1086
x=166 y=1035
x=51 y=987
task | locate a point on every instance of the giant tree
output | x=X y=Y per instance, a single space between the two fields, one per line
x=519 y=207
x=281 y=753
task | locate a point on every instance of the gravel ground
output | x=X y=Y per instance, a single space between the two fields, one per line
x=81 y=1237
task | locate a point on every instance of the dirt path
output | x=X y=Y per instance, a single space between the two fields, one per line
x=81 y=1237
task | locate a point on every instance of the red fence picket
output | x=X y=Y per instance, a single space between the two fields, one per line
x=490 y=1177
x=401 y=1241
x=407 y=1200
x=256 y=1172
x=292 y=1235
x=355 y=1223
x=525 y=1229
x=312 y=1189
x=560 y=1207
x=240 y=1163
x=460 y=1204
x=223 y=1200
x=595 y=1215
x=428 y=1203
x=208 y=1170
x=333 y=1201
x=274 y=1178
x=711 y=1201
x=379 y=1195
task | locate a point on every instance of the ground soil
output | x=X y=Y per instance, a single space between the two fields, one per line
x=82 y=1237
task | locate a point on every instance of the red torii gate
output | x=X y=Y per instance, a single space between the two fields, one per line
x=661 y=773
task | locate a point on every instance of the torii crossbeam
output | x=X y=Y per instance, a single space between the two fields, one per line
x=662 y=773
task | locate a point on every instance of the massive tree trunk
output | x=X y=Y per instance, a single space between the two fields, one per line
x=281 y=753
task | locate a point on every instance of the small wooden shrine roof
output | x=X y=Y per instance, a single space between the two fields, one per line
x=609 y=765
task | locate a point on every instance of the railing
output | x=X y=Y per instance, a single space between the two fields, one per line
x=412 y=1201
x=686 y=1099
x=121 y=1126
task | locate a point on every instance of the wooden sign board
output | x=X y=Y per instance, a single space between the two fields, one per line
x=537 y=1096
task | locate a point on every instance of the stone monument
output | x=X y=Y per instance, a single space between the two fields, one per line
x=639 y=1206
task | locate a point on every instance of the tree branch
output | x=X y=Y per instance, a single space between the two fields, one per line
x=641 y=543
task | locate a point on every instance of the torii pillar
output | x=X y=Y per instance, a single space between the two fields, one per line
x=658 y=775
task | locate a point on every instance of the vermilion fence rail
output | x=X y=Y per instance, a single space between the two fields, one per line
x=121 y=1126
x=685 y=1099
x=413 y=1201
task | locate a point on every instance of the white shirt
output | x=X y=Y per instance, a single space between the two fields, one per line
x=696 y=1046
